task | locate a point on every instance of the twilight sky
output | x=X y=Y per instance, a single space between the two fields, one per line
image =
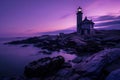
x=26 y=17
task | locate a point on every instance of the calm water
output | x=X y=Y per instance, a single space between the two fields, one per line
x=13 y=58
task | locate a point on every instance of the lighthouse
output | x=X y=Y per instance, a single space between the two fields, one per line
x=84 y=27
x=79 y=19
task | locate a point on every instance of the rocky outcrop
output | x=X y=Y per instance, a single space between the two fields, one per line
x=75 y=42
x=94 y=64
x=112 y=66
x=44 y=67
x=91 y=68
x=14 y=78
x=67 y=65
x=64 y=73
x=72 y=43
x=115 y=75
x=77 y=60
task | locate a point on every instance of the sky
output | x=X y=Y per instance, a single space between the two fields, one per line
x=31 y=17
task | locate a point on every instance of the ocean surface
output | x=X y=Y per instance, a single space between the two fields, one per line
x=13 y=58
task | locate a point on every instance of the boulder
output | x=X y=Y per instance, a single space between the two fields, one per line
x=13 y=78
x=117 y=46
x=67 y=65
x=78 y=40
x=92 y=46
x=112 y=66
x=45 y=51
x=112 y=38
x=67 y=72
x=74 y=41
x=77 y=60
x=115 y=75
x=94 y=64
x=44 y=67
x=85 y=78
x=74 y=77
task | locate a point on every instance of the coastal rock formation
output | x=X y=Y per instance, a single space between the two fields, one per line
x=94 y=64
x=115 y=75
x=91 y=68
x=44 y=67
x=77 y=60
x=98 y=56
x=72 y=43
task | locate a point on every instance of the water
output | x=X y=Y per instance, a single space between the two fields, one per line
x=13 y=58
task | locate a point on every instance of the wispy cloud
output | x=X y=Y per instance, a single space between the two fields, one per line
x=108 y=21
x=107 y=17
x=66 y=16
x=115 y=22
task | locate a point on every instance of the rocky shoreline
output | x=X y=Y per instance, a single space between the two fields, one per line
x=102 y=61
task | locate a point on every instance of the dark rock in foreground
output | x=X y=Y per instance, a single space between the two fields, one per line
x=44 y=67
x=94 y=64
x=115 y=75
x=91 y=68
x=77 y=60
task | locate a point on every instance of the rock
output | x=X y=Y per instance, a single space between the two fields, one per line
x=67 y=72
x=48 y=37
x=85 y=78
x=117 y=46
x=73 y=41
x=94 y=64
x=77 y=60
x=25 y=45
x=74 y=77
x=44 y=67
x=112 y=66
x=59 y=78
x=115 y=75
x=92 y=46
x=45 y=51
x=67 y=65
x=78 y=40
x=64 y=74
x=13 y=78
x=49 y=78
x=70 y=50
x=112 y=39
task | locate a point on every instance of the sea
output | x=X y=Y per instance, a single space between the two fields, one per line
x=14 y=58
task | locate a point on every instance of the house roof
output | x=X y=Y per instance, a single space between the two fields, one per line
x=87 y=21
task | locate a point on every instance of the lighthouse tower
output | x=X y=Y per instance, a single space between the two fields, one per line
x=79 y=19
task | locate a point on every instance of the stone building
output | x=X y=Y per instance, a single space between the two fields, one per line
x=84 y=27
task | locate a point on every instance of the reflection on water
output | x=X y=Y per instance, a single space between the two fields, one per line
x=13 y=58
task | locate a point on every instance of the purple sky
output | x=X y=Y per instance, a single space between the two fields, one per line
x=24 y=17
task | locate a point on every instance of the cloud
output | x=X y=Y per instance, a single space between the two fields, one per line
x=66 y=16
x=107 y=17
x=115 y=22
x=107 y=22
